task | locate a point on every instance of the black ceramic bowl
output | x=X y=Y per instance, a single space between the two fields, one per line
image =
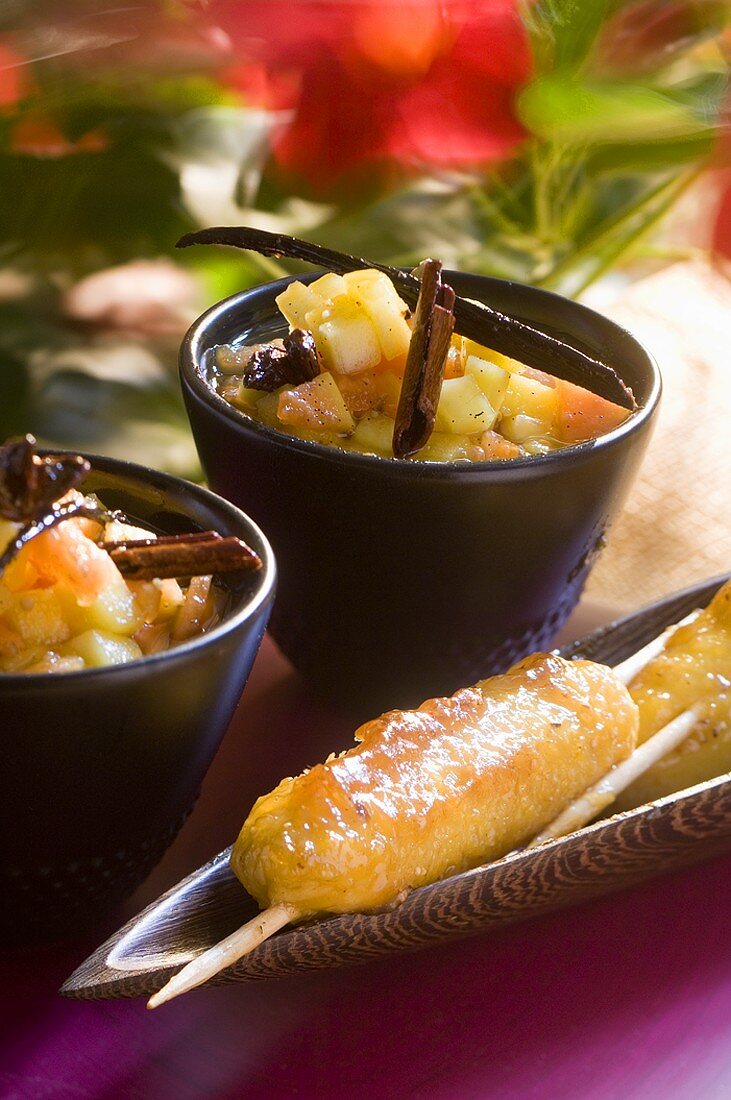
x=402 y=579
x=101 y=767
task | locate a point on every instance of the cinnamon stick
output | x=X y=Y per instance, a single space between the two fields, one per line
x=422 y=382
x=182 y=556
x=162 y=540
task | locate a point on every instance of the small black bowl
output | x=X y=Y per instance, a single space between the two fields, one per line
x=402 y=579
x=101 y=767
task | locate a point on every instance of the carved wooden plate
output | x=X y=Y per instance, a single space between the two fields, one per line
x=613 y=853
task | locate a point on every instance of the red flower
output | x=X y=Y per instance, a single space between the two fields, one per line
x=14 y=80
x=381 y=87
x=35 y=135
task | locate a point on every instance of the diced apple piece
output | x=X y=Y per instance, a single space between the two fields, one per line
x=584 y=415
x=171 y=597
x=157 y=599
x=374 y=435
x=363 y=276
x=99 y=648
x=36 y=617
x=445 y=447
x=345 y=337
x=116 y=531
x=328 y=286
x=521 y=427
x=54 y=663
x=492 y=380
x=471 y=347
x=540 y=446
x=375 y=294
x=231 y=360
x=267 y=406
x=247 y=398
x=114 y=610
x=463 y=408
x=147 y=598
x=315 y=406
x=529 y=397
x=296 y=301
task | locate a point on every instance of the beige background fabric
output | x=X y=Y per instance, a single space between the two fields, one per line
x=676 y=525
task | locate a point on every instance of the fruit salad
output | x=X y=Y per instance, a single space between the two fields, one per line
x=336 y=379
x=65 y=605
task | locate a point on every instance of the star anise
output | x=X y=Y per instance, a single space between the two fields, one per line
x=31 y=487
x=30 y=483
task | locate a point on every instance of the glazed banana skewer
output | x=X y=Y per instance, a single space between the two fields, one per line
x=591 y=803
x=615 y=773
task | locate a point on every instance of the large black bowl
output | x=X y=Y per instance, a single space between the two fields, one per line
x=402 y=579
x=101 y=767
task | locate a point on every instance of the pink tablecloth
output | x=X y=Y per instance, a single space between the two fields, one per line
x=624 y=999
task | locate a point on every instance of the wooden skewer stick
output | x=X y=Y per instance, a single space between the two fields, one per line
x=581 y=811
x=226 y=953
x=627 y=670
x=591 y=803
x=602 y=794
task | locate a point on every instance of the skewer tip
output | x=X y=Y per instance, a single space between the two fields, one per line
x=225 y=953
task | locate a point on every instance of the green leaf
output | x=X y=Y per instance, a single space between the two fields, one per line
x=568 y=112
x=562 y=32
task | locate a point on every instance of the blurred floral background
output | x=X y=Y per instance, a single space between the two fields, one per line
x=557 y=142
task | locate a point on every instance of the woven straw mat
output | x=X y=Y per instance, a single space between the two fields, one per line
x=675 y=527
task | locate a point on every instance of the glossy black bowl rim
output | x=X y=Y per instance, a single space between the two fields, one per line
x=265 y=579
x=190 y=355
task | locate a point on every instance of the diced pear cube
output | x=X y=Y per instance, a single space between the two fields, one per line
x=375 y=294
x=230 y=359
x=374 y=435
x=521 y=428
x=444 y=447
x=99 y=648
x=296 y=300
x=247 y=398
x=492 y=379
x=114 y=609
x=328 y=287
x=346 y=338
x=147 y=597
x=364 y=276
x=530 y=397
x=463 y=408
x=540 y=446
x=116 y=531
x=37 y=617
x=171 y=597
x=316 y=406
x=267 y=405
x=496 y=357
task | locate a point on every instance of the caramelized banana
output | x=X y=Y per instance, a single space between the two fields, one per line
x=693 y=670
x=434 y=791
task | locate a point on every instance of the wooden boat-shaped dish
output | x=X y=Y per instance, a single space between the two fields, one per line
x=613 y=853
